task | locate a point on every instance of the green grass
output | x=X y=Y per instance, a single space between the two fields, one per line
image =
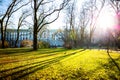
x=59 y=64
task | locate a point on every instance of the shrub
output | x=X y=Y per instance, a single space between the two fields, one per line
x=26 y=43
x=68 y=46
x=53 y=46
x=6 y=44
x=43 y=44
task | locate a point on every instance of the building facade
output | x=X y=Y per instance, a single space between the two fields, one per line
x=26 y=34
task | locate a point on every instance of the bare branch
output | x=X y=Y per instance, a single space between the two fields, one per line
x=49 y=22
x=39 y=4
x=20 y=7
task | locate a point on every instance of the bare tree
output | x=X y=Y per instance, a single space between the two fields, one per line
x=115 y=5
x=83 y=20
x=64 y=35
x=94 y=12
x=76 y=32
x=12 y=8
x=43 y=14
x=21 y=22
x=42 y=32
x=71 y=31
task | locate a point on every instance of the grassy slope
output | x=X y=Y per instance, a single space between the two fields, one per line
x=58 y=64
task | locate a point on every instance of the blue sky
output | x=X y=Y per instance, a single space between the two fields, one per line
x=106 y=17
x=60 y=22
x=3 y=5
x=57 y=24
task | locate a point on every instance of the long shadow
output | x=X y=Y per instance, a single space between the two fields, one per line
x=14 y=61
x=110 y=71
x=53 y=53
x=19 y=50
x=31 y=69
x=24 y=51
x=35 y=62
x=27 y=60
x=114 y=61
x=15 y=50
x=26 y=65
x=82 y=50
x=12 y=52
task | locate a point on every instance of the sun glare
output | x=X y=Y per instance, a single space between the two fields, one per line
x=106 y=21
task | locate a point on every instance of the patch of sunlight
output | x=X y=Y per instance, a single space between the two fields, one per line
x=62 y=64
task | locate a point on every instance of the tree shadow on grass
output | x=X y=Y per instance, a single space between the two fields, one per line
x=32 y=68
x=15 y=50
x=24 y=51
x=104 y=71
x=30 y=63
x=112 y=68
x=82 y=50
x=14 y=61
x=114 y=61
x=109 y=70
x=52 y=53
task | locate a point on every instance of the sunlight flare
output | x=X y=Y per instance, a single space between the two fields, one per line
x=106 y=21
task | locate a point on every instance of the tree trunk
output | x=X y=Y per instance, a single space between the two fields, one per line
x=35 y=40
x=35 y=27
x=90 y=41
x=17 y=38
x=2 y=35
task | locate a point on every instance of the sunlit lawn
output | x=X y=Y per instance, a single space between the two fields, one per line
x=59 y=64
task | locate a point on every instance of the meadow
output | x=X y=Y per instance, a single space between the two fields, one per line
x=59 y=64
